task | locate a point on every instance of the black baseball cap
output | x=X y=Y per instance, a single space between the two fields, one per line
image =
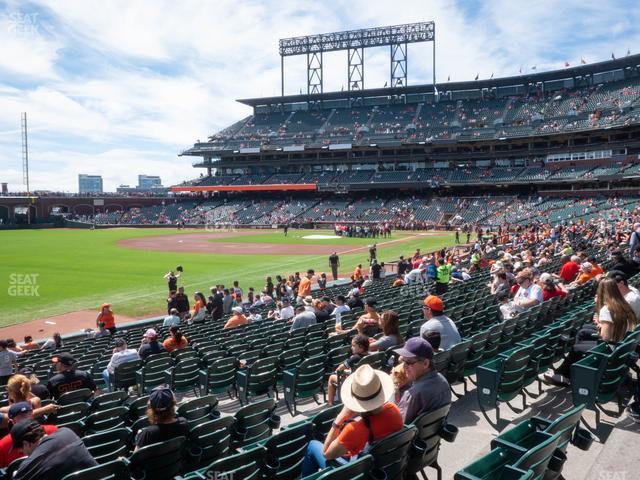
x=64 y=358
x=161 y=399
x=20 y=408
x=21 y=430
x=416 y=347
x=26 y=371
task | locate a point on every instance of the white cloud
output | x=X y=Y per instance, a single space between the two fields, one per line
x=122 y=83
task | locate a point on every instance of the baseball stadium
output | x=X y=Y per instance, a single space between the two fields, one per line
x=436 y=280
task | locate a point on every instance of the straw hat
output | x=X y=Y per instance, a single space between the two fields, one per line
x=366 y=389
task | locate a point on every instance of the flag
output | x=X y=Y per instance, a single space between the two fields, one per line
x=449 y=78
x=628 y=52
x=477 y=76
x=385 y=84
x=534 y=67
x=520 y=71
x=342 y=89
x=566 y=64
x=613 y=57
x=583 y=61
x=491 y=75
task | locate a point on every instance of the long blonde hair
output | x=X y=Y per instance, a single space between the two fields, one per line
x=623 y=317
x=20 y=387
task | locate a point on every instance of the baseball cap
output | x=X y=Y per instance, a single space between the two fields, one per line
x=119 y=342
x=416 y=347
x=21 y=429
x=19 y=408
x=151 y=333
x=64 y=358
x=546 y=277
x=434 y=303
x=587 y=266
x=161 y=399
x=237 y=309
x=26 y=371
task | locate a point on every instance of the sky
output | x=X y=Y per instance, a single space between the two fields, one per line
x=120 y=88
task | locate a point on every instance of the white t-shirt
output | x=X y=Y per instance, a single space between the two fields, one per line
x=532 y=292
x=128 y=355
x=286 y=313
x=633 y=299
x=338 y=311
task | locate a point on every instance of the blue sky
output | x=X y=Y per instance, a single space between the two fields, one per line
x=118 y=88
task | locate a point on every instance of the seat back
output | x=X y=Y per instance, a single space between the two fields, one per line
x=185 y=374
x=114 y=470
x=75 y=396
x=152 y=372
x=160 y=461
x=109 y=445
x=537 y=458
x=310 y=376
x=565 y=425
x=322 y=421
x=286 y=451
x=358 y=470
x=241 y=466
x=70 y=413
x=124 y=375
x=458 y=358
x=211 y=440
x=199 y=408
x=428 y=427
x=254 y=422
x=391 y=453
x=106 y=419
x=513 y=370
x=108 y=400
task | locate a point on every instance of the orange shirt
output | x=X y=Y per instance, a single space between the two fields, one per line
x=584 y=277
x=357 y=273
x=304 y=288
x=30 y=346
x=355 y=435
x=197 y=306
x=398 y=282
x=596 y=270
x=170 y=344
x=108 y=319
x=236 y=321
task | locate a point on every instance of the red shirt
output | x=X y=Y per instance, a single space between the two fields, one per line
x=569 y=271
x=548 y=294
x=355 y=435
x=8 y=453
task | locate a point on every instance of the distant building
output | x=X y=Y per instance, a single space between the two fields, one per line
x=147 y=182
x=89 y=183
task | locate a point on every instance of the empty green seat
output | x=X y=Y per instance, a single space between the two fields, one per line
x=160 y=461
x=219 y=377
x=304 y=381
x=114 y=470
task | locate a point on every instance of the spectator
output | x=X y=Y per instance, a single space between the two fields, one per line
x=172 y=319
x=172 y=280
x=175 y=341
x=29 y=344
x=585 y=274
x=164 y=425
x=217 y=303
x=39 y=390
x=436 y=320
x=18 y=412
x=150 y=344
x=254 y=316
x=12 y=346
x=341 y=307
x=227 y=301
x=182 y=302
x=391 y=337
x=199 y=308
x=359 y=349
x=443 y=277
x=53 y=343
x=399 y=280
x=369 y=322
x=121 y=354
x=429 y=389
x=304 y=288
x=570 y=268
x=303 y=318
x=106 y=316
x=529 y=294
x=365 y=393
x=550 y=288
x=434 y=340
x=19 y=390
x=630 y=294
x=68 y=378
x=102 y=331
x=8 y=363
x=45 y=459
x=621 y=263
x=237 y=319
x=614 y=318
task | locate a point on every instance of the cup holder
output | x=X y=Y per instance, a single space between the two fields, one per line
x=448 y=432
x=583 y=439
x=274 y=422
x=557 y=461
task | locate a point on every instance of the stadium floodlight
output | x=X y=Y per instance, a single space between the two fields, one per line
x=397 y=37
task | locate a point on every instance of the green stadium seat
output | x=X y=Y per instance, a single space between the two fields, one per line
x=210 y=440
x=102 y=420
x=286 y=451
x=258 y=379
x=160 y=461
x=245 y=465
x=219 y=377
x=429 y=428
x=304 y=381
x=199 y=410
x=254 y=422
x=152 y=375
x=109 y=445
x=114 y=470
x=391 y=454
x=124 y=375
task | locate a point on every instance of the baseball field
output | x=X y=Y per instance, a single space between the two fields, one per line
x=53 y=272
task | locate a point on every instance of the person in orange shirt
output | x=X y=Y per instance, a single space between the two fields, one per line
x=399 y=281
x=304 y=288
x=357 y=273
x=236 y=320
x=176 y=340
x=29 y=344
x=585 y=274
x=106 y=316
x=596 y=269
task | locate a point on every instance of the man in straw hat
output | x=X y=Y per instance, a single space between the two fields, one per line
x=365 y=394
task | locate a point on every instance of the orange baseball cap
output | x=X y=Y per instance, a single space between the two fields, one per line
x=434 y=303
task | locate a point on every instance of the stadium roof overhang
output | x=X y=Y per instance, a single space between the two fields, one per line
x=630 y=61
x=245 y=188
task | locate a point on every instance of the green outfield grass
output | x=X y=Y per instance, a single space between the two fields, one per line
x=80 y=269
